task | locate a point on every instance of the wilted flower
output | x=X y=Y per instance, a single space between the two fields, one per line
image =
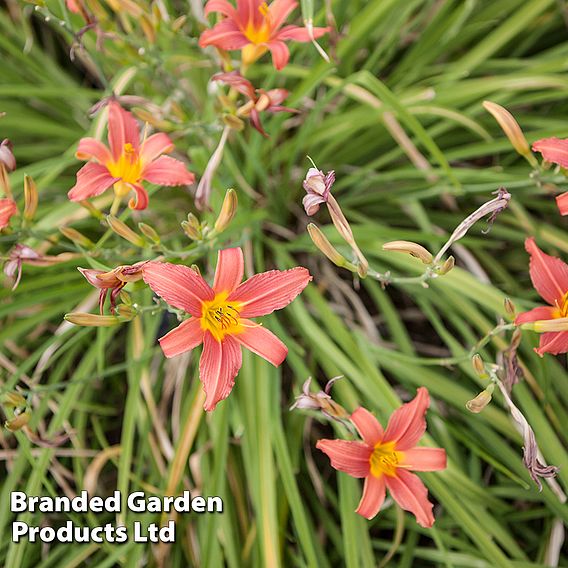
x=220 y=315
x=8 y=209
x=320 y=400
x=555 y=150
x=259 y=99
x=318 y=187
x=7 y=157
x=127 y=163
x=112 y=281
x=205 y=185
x=549 y=276
x=255 y=28
x=386 y=458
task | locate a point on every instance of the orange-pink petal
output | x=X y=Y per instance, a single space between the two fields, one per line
x=184 y=337
x=269 y=291
x=219 y=364
x=540 y=313
x=263 y=342
x=178 y=285
x=407 y=424
x=155 y=146
x=374 y=493
x=122 y=129
x=349 y=457
x=225 y=35
x=141 y=200
x=368 y=426
x=297 y=33
x=249 y=13
x=553 y=342
x=279 y=10
x=229 y=271
x=280 y=53
x=8 y=208
x=549 y=274
x=424 y=459
x=562 y=203
x=553 y=150
x=411 y=494
x=92 y=179
x=220 y=6
x=167 y=171
x=90 y=148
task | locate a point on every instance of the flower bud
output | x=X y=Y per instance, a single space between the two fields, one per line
x=124 y=231
x=192 y=228
x=228 y=211
x=414 y=249
x=148 y=28
x=77 y=237
x=149 y=232
x=7 y=156
x=479 y=366
x=178 y=23
x=92 y=209
x=18 y=422
x=91 y=320
x=447 y=266
x=477 y=404
x=511 y=129
x=323 y=244
x=5 y=186
x=196 y=269
x=233 y=122
x=30 y=198
x=509 y=307
x=127 y=312
x=13 y=400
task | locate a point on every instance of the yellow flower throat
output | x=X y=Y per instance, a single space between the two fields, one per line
x=561 y=310
x=128 y=168
x=220 y=317
x=384 y=460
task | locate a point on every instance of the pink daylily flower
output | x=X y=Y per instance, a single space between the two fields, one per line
x=220 y=315
x=549 y=276
x=8 y=209
x=555 y=150
x=255 y=28
x=386 y=458
x=127 y=163
x=318 y=189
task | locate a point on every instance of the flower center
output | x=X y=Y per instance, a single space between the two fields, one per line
x=384 y=460
x=220 y=317
x=259 y=34
x=128 y=166
x=561 y=310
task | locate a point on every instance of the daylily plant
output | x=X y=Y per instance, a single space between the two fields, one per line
x=555 y=150
x=255 y=28
x=549 y=276
x=386 y=458
x=220 y=315
x=128 y=162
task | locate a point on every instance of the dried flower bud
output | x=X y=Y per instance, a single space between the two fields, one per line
x=511 y=129
x=149 y=232
x=7 y=156
x=91 y=320
x=13 y=400
x=323 y=244
x=509 y=307
x=228 y=211
x=77 y=237
x=124 y=231
x=447 y=266
x=30 y=197
x=414 y=249
x=318 y=188
x=479 y=366
x=18 y=422
x=477 y=404
x=192 y=228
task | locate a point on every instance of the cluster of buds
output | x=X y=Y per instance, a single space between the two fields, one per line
x=198 y=230
x=259 y=100
x=318 y=191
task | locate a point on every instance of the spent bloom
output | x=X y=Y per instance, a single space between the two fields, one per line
x=255 y=28
x=320 y=400
x=7 y=157
x=386 y=458
x=8 y=209
x=549 y=276
x=259 y=99
x=128 y=162
x=318 y=189
x=220 y=315
x=555 y=150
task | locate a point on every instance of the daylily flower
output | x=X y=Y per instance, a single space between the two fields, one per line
x=112 y=281
x=7 y=157
x=220 y=315
x=318 y=189
x=128 y=162
x=255 y=28
x=8 y=209
x=259 y=99
x=386 y=458
x=549 y=276
x=555 y=150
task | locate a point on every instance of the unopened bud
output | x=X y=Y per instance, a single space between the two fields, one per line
x=30 y=197
x=414 y=249
x=509 y=307
x=77 y=237
x=479 y=366
x=511 y=129
x=126 y=312
x=228 y=211
x=477 y=404
x=149 y=232
x=196 y=269
x=192 y=228
x=148 y=28
x=178 y=23
x=92 y=209
x=5 y=186
x=12 y=400
x=233 y=122
x=91 y=320
x=124 y=231
x=7 y=156
x=323 y=244
x=447 y=266
x=18 y=422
